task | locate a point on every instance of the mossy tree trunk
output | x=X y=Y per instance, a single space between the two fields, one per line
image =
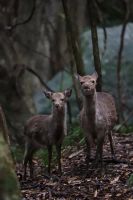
x=9 y=187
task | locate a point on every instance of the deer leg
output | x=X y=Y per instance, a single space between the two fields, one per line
x=25 y=166
x=58 y=149
x=99 y=151
x=111 y=144
x=49 y=158
x=88 y=152
x=28 y=158
x=31 y=163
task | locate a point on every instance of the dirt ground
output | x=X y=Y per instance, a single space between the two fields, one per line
x=79 y=183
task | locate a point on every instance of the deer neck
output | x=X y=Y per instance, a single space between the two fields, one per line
x=59 y=118
x=89 y=106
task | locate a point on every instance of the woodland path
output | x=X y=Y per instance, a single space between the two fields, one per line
x=75 y=183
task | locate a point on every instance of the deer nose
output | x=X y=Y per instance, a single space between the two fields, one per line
x=57 y=105
x=86 y=87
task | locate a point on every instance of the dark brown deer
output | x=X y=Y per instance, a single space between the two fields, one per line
x=98 y=115
x=47 y=130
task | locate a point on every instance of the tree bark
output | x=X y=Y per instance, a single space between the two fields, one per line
x=74 y=49
x=74 y=41
x=119 y=61
x=9 y=188
x=97 y=63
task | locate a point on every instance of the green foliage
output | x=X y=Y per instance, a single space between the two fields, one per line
x=130 y=180
x=75 y=136
x=8 y=179
x=42 y=154
x=17 y=153
x=124 y=129
x=9 y=188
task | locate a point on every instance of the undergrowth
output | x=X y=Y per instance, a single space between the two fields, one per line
x=124 y=129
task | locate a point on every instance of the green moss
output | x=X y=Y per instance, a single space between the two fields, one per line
x=130 y=180
x=124 y=129
x=7 y=179
x=9 y=188
x=17 y=153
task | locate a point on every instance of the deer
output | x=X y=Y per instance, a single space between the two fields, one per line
x=47 y=130
x=97 y=116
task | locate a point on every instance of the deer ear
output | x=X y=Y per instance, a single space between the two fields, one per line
x=68 y=92
x=77 y=76
x=95 y=75
x=48 y=94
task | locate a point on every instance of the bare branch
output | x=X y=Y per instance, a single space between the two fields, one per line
x=26 y=20
x=33 y=50
x=19 y=70
x=39 y=77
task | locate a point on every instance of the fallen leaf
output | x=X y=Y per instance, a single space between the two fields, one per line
x=115 y=180
x=95 y=193
x=75 y=153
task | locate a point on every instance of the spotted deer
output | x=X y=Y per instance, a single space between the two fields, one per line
x=47 y=130
x=98 y=116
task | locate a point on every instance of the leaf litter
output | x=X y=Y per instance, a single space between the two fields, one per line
x=77 y=182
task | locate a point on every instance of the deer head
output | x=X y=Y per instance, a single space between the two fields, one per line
x=58 y=99
x=88 y=83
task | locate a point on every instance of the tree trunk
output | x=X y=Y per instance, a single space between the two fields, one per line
x=74 y=40
x=9 y=188
x=97 y=62
x=119 y=61
x=73 y=46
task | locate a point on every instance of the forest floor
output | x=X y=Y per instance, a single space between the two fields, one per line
x=79 y=183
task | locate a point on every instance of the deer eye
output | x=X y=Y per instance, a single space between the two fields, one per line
x=53 y=100
x=93 y=81
x=62 y=99
x=81 y=82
